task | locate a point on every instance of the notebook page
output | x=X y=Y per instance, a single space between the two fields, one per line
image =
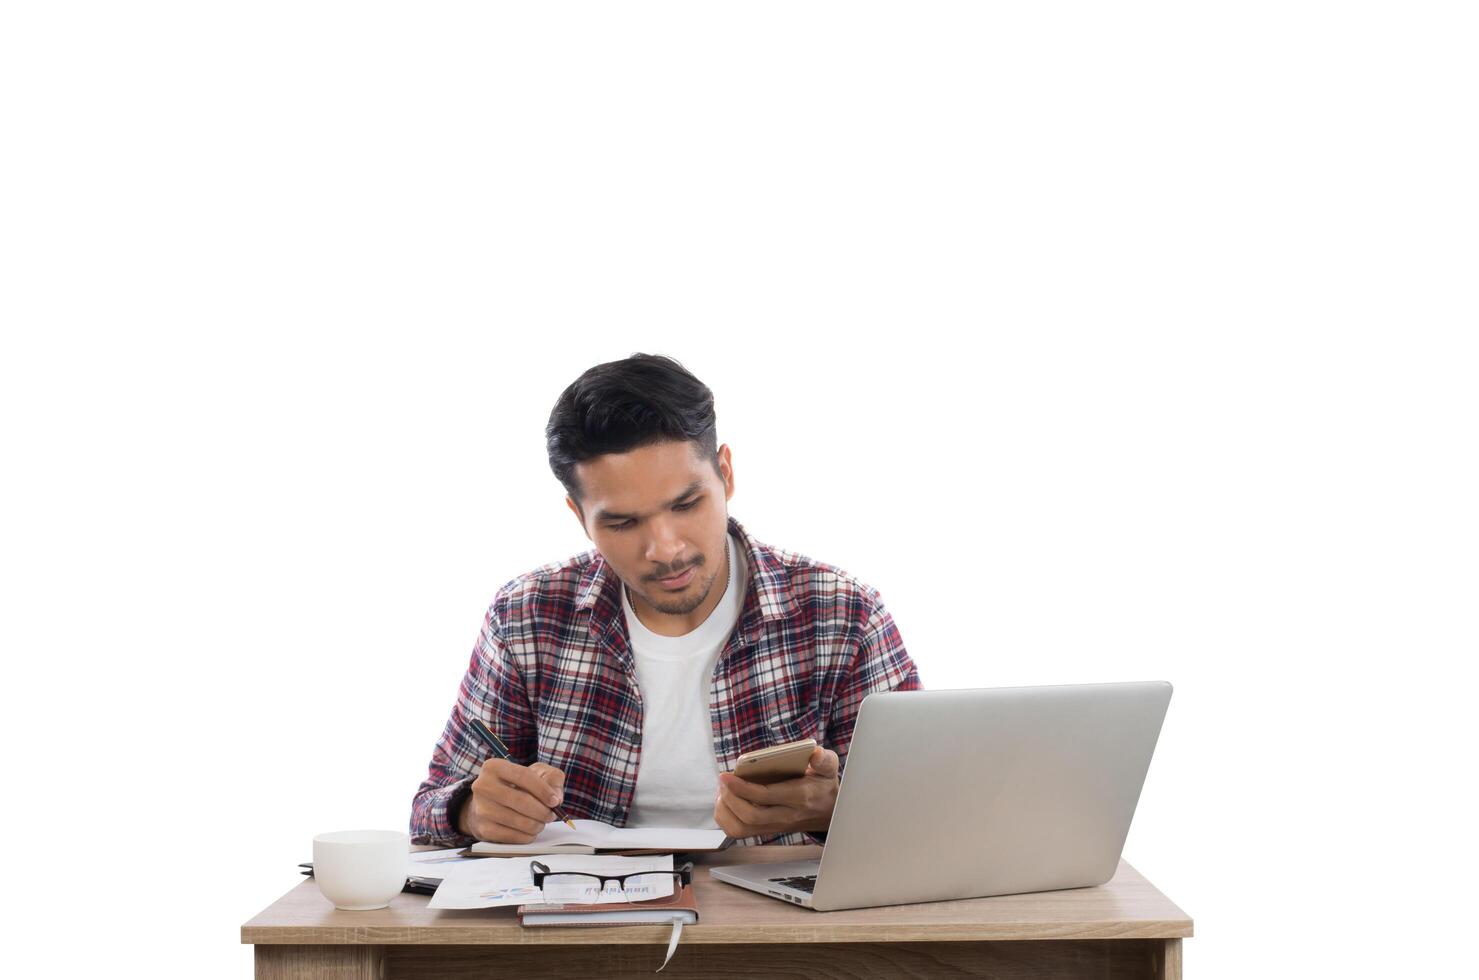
x=595 y=833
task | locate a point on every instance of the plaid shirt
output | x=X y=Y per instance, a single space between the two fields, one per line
x=553 y=675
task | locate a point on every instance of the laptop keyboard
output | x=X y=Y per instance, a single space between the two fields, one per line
x=802 y=883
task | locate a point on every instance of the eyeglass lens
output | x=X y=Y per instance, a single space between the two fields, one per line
x=583 y=888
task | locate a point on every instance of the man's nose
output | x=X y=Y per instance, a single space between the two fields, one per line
x=665 y=546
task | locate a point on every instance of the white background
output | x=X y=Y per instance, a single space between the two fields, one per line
x=1110 y=342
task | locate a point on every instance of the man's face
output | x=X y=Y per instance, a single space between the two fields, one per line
x=655 y=513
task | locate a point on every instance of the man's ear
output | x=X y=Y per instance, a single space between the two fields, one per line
x=726 y=471
x=579 y=515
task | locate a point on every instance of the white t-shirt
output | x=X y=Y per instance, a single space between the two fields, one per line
x=678 y=774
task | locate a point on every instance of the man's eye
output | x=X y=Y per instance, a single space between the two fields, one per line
x=626 y=524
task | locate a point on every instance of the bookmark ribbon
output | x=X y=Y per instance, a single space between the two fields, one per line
x=672 y=942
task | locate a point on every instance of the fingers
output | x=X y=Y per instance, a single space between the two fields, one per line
x=754 y=817
x=788 y=792
x=749 y=813
x=728 y=822
x=750 y=809
x=494 y=811
x=823 y=762
x=727 y=814
x=526 y=779
x=754 y=792
x=552 y=776
x=492 y=822
x=503 y=834
x=523 y=779
x=513 y=797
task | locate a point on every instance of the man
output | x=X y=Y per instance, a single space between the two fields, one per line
x=626 y=681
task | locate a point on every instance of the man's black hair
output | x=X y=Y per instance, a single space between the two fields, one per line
x=624 y=405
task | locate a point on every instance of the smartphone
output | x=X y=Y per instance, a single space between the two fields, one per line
x=775 y=763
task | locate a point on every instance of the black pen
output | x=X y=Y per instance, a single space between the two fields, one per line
x=496 y=746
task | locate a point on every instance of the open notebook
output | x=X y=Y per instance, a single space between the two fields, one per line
x=590 y=836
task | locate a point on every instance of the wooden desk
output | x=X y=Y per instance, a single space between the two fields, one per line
x=1121 y=930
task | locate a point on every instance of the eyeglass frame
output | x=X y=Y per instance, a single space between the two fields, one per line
x=538 y=870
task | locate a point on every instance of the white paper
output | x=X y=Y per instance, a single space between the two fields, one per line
x=437 y=864
x=595 y=833
x=486 y=883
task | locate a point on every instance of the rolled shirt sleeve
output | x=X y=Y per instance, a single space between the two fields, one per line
x=493 y=691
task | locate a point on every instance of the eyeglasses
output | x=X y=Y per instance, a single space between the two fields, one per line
x=639 y=886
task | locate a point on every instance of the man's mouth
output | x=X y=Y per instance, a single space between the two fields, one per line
x=680 y=580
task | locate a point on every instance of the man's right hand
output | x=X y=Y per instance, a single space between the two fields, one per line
x=510 y=803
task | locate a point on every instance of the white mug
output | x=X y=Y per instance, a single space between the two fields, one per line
x=359 y=870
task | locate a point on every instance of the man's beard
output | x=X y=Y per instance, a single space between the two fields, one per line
x=680 y=606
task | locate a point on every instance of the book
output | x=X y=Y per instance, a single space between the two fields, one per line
x=680 y=908
x=593 y=836
x=487 y=848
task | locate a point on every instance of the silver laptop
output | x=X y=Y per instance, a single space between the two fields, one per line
x=962 y=794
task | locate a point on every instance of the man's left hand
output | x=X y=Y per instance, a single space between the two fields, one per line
x=745 y=809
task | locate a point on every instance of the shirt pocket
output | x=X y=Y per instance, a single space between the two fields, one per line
x=788 y=725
